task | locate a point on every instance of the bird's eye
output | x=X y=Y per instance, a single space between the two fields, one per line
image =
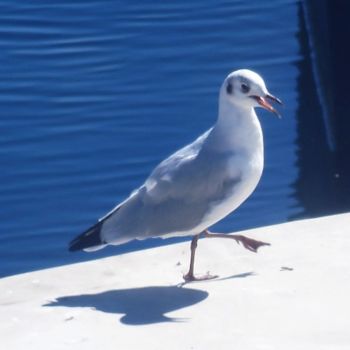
x=229 y=88
x=245 y=88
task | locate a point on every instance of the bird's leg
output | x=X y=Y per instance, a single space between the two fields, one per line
x=248 y=243
x=189 y=277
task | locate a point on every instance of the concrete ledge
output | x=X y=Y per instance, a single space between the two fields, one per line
x=292 y=295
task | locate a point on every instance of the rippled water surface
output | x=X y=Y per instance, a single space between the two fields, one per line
x=94 y=94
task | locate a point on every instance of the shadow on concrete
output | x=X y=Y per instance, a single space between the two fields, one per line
x=240 y=275
x=218 y=278
x=140 y=306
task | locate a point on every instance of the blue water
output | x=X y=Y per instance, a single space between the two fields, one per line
x=94 y=94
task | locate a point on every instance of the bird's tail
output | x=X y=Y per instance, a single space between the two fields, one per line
x=90 y=240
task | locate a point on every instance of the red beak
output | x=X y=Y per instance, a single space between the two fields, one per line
x=266 y=105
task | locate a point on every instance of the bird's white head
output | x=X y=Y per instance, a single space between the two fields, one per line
x=246 y=89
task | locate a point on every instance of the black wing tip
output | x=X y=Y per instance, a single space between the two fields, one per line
x=74 y=245
x=87 y=239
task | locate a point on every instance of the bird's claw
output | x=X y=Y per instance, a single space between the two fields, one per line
x=190 y=277
x=251 y=244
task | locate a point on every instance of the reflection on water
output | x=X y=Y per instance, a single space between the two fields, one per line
x=94 y=94
x=321 y=186
x=315 y=187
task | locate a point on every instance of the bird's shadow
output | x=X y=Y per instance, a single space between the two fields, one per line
x=240 y=275
x=140 y=306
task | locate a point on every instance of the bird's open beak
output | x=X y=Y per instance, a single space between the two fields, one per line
x=264 y=103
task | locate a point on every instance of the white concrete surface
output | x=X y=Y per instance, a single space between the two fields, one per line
x=292 y=295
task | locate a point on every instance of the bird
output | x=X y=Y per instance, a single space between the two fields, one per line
x=201 y=183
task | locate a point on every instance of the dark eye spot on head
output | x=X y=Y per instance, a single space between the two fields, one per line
x=245 y=88
x=229 y=88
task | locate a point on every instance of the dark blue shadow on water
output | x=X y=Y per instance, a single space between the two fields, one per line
x=323 y=183
x=140 y=306
x=315 y=157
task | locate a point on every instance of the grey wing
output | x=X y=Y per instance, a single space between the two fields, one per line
x=185 y=175
x=177 y=195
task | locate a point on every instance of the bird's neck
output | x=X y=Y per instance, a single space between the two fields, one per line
x=237 y=128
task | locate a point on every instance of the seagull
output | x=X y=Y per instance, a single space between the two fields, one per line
x=201 y=183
